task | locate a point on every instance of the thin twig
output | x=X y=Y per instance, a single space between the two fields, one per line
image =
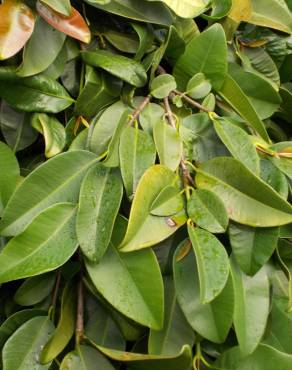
x=191 y=101
x=139 y=109
x=185 y=172
x=80 y=313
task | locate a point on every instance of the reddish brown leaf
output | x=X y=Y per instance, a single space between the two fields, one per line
x=16 y=26
x=74 y=25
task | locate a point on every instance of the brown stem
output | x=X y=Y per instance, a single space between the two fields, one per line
x=187 y=179
x=191 y=101
x=161 y=71
x=139 y=109
x=80 y=313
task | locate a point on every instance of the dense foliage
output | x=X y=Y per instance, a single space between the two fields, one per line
x=145 y=179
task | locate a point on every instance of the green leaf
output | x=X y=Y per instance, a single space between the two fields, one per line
x=198 y=87
x=219 y=9
x=99 y=202
x=143 y=288
x=248 y=199
x=16 y=24
x=34 y=290
x=233 y=94
x=263 y=96
x=176 y=331
x=238 y=142
x=274 y=177
x=151 y=114
x=161 y=86
x=137 y=153
x=9 y=174
x=65 y=328
x=36 y=58
x=99 y=91
x=211 y=320
x=105 y=126
x=13 y=322
x=34 y=94
x=264 y=357
x=168 y=202
x=212 y=262
x=122 y=67
x=251 y=308
x=85 y=358
x=22 y=350
x=279 y=331
x=187 y=8
x=47 y=243
x=144 y=229
x=57 y=180
x=15 y=127
x=181 y=361
x=252 y=247
x=212 y=45
x=207 y=210
x=168 y=144
x=102 y=329
x=271 y=13
x=139 y=10
x=53 y=131
x=63 y=7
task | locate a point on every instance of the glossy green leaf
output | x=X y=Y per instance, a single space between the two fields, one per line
x=238 y=142
x=271 y=13
x=65 y=328
x=138 y=10
x=211 y=320
x=219 y=9
x=187 y=8
x=252 y=247
x=13 y=322
x=198 y=87
x=168 y=202
x=34 y=94
x=122 y=67
x=212 y=262
x=168 y=144
x=16 y=24
x=251 y=308
x=144 y=229
x=248 y=199
x=176 y=331
x=102 y=329
x=264 y=357
x=36 y=58
x=22 y=350
x=212 y=44
x=207 y=210
x=85 y=358
x=161 y=86
x=274 y=177
x=181 y=361
x=105 y=126
x=15 y=127
x=63 y=7
x=152 y=113
x=137 y=153
x=262 y=95
x=34 y=289
x=100 y=197
x=57 y=180
x=53 y=131
x=233 y=94
x=143 y=289
x=46 y=243
x=9 y=174
x=99 y=91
